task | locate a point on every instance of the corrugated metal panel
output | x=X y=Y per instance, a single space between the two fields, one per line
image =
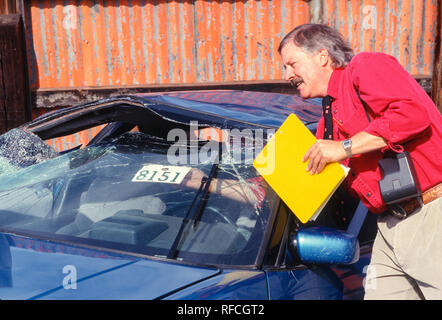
x=402 y=28
x=133 y=42
x=74 y=140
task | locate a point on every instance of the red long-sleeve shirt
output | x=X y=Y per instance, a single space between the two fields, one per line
x=400 y=111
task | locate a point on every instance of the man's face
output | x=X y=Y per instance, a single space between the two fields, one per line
x=305 y=70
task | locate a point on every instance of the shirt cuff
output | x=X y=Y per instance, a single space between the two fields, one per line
x=381 y=127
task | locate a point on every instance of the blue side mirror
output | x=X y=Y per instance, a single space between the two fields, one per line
x=323 y=245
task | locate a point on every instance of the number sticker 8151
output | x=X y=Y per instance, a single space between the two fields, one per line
x=161 y=173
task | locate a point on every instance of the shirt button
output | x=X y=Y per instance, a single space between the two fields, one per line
x=368 y=194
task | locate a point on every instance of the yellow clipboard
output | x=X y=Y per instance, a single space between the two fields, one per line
x=280 y=164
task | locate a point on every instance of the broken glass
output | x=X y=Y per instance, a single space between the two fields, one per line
x=125 y=194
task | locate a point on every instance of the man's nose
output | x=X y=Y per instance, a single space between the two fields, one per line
x=288 y=75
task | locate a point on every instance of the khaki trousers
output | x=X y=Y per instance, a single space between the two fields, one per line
x=406 y=261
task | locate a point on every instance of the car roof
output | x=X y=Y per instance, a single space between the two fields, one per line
x=262 y=108
x=163 y=111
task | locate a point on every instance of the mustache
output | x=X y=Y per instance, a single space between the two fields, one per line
x=296 y=82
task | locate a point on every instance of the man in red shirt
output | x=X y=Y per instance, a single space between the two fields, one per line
x=377 y=108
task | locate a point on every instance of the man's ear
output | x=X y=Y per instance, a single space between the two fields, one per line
x=323 y=57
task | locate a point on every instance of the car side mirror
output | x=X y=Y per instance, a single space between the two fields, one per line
x=324 y=245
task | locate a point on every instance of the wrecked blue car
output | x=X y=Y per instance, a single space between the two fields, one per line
x=164 y=203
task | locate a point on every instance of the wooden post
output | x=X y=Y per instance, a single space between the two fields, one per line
x=8 y=6
x=14 y=89
x=436 y=92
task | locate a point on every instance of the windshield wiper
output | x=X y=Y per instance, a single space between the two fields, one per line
x=201 y=194
x=205 y=192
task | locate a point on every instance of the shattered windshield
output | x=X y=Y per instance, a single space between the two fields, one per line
x=134 y=192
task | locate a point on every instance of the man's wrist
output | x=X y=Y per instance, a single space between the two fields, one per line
x=346 y=144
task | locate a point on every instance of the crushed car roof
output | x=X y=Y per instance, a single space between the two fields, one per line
x=158 y=113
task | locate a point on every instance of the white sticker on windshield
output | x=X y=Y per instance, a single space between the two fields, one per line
x=161 y=173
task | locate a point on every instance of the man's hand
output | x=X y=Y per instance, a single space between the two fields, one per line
x=327 y=151
x=193 y=178
x=322 y=153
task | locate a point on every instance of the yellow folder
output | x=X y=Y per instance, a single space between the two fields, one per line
x=280 y=163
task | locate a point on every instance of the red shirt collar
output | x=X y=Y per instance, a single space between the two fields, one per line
x=334 y=82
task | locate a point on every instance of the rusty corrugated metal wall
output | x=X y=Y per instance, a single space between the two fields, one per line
x=403 y=28
x=135 y=42
x=105 y=43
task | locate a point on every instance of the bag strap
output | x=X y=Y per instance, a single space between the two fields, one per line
x=360 y=214
x=364 y=104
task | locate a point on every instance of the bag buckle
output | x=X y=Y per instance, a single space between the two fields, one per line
x=397 y=211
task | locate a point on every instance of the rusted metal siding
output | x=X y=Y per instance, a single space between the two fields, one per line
x=107 y=43
x=99 y=43
x=74 y=140
x=403 y=28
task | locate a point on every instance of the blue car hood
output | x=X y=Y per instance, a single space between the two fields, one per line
x=36 y=269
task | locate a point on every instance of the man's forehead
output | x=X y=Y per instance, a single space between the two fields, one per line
x=291 y=51
x=289 y=47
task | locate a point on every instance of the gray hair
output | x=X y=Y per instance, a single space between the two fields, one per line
x=314 y=37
